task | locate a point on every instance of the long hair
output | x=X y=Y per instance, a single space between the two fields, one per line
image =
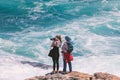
x=59 y=37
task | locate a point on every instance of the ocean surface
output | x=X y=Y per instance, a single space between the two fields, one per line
x=26 y=27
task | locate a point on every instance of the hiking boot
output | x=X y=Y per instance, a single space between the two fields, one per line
x=57 y=71
x=53 y=72
x=63 y=72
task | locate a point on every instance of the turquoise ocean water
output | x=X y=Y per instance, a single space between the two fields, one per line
x=26 y=27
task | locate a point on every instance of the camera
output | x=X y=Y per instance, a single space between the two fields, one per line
x=52 y=38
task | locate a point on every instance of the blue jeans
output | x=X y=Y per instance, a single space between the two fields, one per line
x=65 y=66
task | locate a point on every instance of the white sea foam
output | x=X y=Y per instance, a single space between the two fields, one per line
x=116 y=13
x=92 y=64
x=93 y=52
x=12 y=69
x=99 y=53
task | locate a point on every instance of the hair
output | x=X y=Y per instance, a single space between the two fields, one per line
x=67 y=38
x=59 y=37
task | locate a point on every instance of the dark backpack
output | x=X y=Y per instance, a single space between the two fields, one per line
x=70 y=47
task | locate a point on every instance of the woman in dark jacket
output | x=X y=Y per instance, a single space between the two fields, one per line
x=56 y=44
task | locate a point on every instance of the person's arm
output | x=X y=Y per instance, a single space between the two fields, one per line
x=53 y=44
x=64 y=48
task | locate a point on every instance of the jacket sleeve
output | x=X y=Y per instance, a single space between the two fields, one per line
x=64 y=47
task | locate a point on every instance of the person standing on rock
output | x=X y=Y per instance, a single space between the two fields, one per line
x=56 y=44
x=67 y=49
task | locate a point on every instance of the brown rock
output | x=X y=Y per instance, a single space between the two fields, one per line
x=50 y=77
x=36 y=78
x=76 y=76
x=105 y=76
x=79 y=76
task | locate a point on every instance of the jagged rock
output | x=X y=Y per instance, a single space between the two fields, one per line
x=76 y=76
x=105 y=76
x=50 y=77
x=79 y=76
x=36 y=78
x=57 y=76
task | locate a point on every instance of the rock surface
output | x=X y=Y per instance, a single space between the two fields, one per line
x=76 y=76
x=105 y=76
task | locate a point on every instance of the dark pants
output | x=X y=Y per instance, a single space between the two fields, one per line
x=65 y=66
x=55 y=58
x=55 y=63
